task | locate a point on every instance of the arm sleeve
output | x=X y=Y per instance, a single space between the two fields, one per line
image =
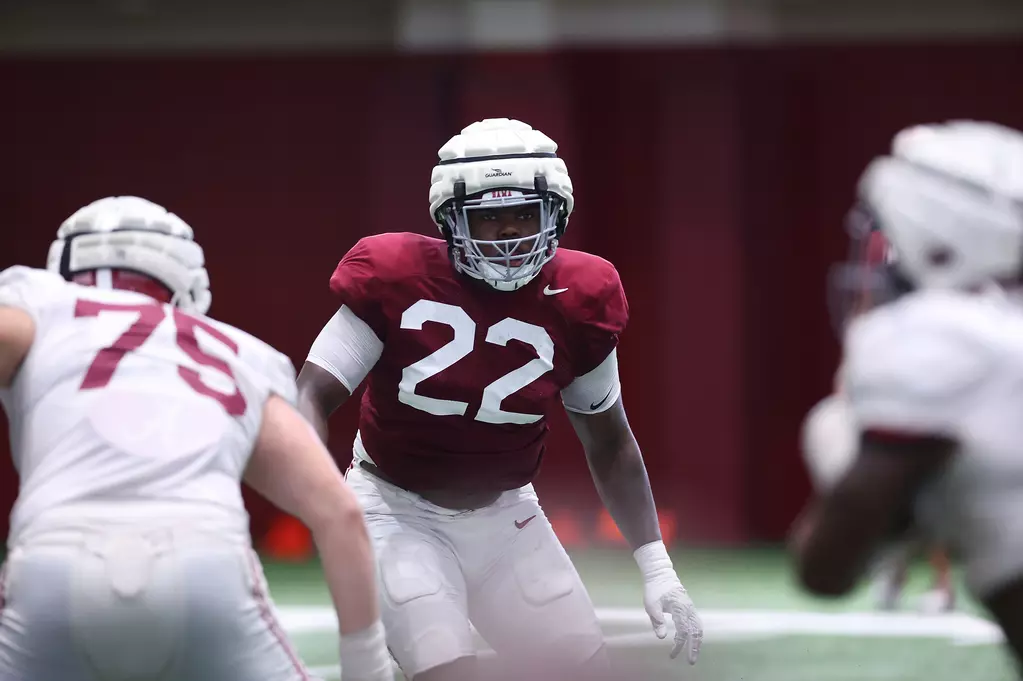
x=347 y=348
x=596 y=391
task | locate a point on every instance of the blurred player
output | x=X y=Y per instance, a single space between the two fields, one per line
x=872 y=254
x=467 y=344
x=930 y=433
x=133 y=420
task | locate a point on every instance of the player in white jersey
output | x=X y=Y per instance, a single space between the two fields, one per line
x=871 y=252
x=134 y=419
x=929 y=434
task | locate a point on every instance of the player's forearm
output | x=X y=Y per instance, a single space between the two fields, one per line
x=320 y=393
x=621 y=480
x=347 y=558
x=310 y=409
x=821 y=561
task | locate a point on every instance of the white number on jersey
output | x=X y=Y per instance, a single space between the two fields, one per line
x=460 y=346
x=431 y=365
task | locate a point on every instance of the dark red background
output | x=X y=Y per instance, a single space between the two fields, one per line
x=715 y=179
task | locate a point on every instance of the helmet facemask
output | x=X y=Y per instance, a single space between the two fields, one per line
x=505 y=264
x=870 y=277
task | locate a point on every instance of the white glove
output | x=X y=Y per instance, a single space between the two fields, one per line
x=663 y=594
x=830 y=441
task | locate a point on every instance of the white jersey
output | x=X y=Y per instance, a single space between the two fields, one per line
x=125 y=403
x=951 y=364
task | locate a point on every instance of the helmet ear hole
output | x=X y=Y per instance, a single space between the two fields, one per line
x=940 y=257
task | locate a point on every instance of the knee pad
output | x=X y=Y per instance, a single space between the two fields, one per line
x=423 y=612
x=544 y=575
x=408 y=571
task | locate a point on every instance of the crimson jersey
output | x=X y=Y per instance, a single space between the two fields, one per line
x=460 y=395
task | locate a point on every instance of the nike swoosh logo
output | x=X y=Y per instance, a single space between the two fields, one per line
x=548 y=291
x=595 y=405
x=525 y=522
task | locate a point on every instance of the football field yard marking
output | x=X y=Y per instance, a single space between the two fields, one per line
x=723 y=626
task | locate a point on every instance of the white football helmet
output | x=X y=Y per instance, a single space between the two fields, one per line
x=133 y=234
x=494 y=163
x=949 y=200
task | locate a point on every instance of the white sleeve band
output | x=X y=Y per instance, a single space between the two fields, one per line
x=364 y=655
x=347 y=348
x=652 y=559
x=596 y=391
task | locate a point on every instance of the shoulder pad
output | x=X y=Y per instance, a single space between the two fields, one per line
x=916 y=365
x=612 y=311
x=386 y=258
x=355 y=272
x=281 y=376
x=370 y=271
x=265 y=367
x=599 y=306
x=28 y=288
x=356 y=281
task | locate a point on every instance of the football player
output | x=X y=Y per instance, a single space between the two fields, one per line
x=467 y=344
x=872 y=255
x=929 y=433
x=134 y=418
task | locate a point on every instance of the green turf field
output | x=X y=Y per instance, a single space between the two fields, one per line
x=758 y=626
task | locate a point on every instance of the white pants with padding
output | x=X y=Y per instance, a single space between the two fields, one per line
x=128 y=604
x=501 y=568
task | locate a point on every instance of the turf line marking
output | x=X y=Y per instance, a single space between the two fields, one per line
x=742 y=624
x=724 y=626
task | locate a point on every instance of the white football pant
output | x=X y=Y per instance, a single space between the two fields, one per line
x=502 y=567
x=139 y=604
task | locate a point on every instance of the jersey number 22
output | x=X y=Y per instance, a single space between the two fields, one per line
x=461 y=345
